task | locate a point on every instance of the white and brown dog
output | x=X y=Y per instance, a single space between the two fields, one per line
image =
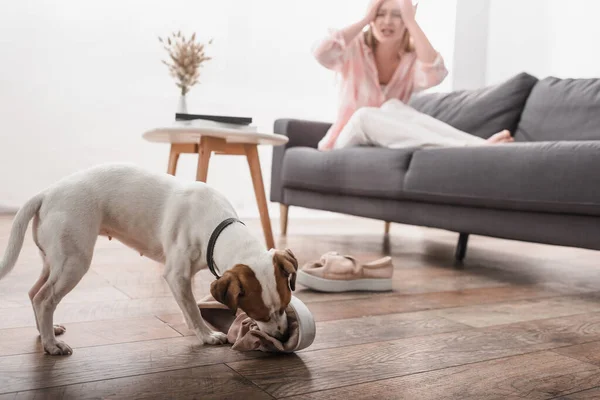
x=167 y=220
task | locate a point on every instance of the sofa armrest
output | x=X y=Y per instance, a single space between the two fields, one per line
x=301 y=133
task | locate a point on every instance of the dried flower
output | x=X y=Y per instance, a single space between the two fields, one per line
x=186 y=56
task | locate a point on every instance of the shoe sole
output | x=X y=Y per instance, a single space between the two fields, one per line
x=355 y=285
x=307 y=329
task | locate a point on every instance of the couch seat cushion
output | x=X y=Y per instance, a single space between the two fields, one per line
x=359 y=171
x=561 y=109
x=556 y=177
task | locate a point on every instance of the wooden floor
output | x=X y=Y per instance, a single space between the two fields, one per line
x=518 y=320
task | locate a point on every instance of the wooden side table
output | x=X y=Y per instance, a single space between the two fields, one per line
x=204 y=138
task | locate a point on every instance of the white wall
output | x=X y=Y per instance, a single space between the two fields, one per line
x=543 y=37
x=82 y=80
x=470 y=44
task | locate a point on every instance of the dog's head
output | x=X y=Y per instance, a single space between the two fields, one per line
x=263 y=291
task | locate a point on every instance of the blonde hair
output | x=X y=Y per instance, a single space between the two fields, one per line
x=407 y=40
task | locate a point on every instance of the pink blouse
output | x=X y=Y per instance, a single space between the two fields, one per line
x=360 y=83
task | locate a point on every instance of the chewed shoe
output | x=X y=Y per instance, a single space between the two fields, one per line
x=342 y=273
x=244 y=334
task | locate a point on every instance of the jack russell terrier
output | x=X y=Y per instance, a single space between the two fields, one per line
x=187 y=226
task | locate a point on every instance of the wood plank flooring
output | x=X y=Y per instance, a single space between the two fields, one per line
x=517 y=320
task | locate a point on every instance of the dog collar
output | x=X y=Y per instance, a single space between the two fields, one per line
x=211 y=243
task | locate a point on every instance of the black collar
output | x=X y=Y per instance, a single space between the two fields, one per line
x=211 y=243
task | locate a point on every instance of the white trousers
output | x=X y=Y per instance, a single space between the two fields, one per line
x=396 y=125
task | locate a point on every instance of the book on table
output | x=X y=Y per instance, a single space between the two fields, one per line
x=226 y=119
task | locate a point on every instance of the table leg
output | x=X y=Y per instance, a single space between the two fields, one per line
x=259 y=192
x=173 y=159
x=204 y=152
x=283 y=215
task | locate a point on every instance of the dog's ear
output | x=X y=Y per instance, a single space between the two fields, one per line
x=227 y=290
x=287 y=262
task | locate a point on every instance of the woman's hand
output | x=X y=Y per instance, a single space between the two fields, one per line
x=372 y=12
x=408 y=11
x=332 y=51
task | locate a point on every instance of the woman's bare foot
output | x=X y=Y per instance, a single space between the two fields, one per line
x=501 y=137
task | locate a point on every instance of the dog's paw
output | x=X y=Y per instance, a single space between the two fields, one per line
x=214 y=338
x=59 y=330
x=58 y=348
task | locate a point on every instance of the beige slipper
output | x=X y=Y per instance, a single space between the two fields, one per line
x=342 y=273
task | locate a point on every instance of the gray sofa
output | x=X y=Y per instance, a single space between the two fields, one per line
x=543 y=188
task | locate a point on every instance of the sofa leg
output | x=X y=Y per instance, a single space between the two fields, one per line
x=283 y=218
x=387 y=228
x=461 y=247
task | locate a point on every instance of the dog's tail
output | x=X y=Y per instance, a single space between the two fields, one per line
x=17 y=234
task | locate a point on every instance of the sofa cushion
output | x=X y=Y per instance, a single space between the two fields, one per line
x=481 y=112
x=561 y=109
x=357 y=171
x=557 y=177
